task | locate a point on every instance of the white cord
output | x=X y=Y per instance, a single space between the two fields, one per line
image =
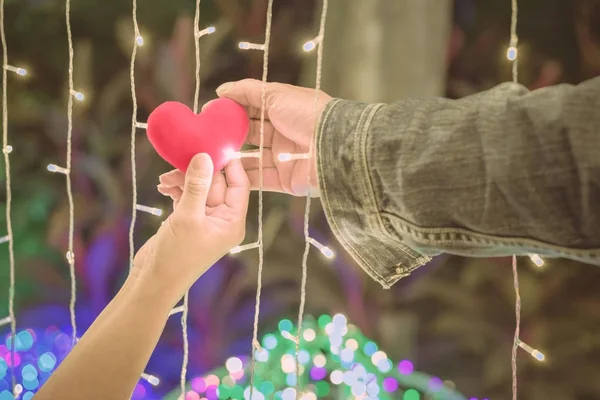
x=136 y=43
x=263 y=96
x=70 y=253
x=308 y=198
x=11 y=253
x=184 y=314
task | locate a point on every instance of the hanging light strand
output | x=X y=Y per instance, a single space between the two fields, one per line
x=308 y=240
x=513 y=52
x=265 y=48
x=138 y=41
x=9 y=230
x=184 y=315
x=78 y=96
x=512 y=55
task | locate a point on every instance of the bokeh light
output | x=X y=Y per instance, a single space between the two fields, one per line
x=337 y=362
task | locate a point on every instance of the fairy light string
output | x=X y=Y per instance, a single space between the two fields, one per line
x=66 y=171
x=139 y=41
x=72 y=94
x=307 y=238
x=259 y=244
x=6 y=151
x=184 y=314
x=512 y=55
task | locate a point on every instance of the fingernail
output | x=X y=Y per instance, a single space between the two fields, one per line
x=225 y=87
x=201 y=165
x=206 y=105
x=163 y=177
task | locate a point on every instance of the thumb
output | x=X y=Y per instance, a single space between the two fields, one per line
x=197 y=184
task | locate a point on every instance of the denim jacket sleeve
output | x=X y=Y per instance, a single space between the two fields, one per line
x=505 y=171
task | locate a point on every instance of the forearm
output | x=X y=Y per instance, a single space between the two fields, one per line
x=121 y=339
x=505 y=171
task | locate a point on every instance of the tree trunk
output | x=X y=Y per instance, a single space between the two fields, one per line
x=384 y=50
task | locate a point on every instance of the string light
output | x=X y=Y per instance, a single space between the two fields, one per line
x=283 y=157
x=7 y=149
x=308 y=240
x=251 y=46
x=4 y=239
x=231 y=155
x=78 y=95
x=239 y=249
x=5 y=321
x=151 y=379
x=176 y=310
x=138 y=41
x=312 y=44
x=512 y=52
x=5 y=146
x=197 y=35
x=538 y=355
x=290 y=337
x=512 y=55
x=59 y=170
x=141 y=125
x=263 y=97
x=150 y=210
x=17 y=70
x=537 y=260
x=204 y=32
x=326 y=251
x=18 y=390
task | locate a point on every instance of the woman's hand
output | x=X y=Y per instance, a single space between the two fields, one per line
x=209 y=219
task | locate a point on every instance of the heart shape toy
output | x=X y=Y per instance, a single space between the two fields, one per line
x=178 y=134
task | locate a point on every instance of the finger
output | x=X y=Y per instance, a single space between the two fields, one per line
x=284 y=169
x=206 y=104
x=254 y=133
x=237 y=194
x=169 y=191
x=271 y=181
x=197 y=185
x=248 y=93
x=216 y=193
x=172 y=178
x=251 y=163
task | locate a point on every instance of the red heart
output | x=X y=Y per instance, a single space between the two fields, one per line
x=178 y=134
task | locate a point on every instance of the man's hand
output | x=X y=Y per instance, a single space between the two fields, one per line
x=290 y=124
x=208 y=221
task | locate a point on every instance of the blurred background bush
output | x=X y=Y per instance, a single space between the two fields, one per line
x=454 y=318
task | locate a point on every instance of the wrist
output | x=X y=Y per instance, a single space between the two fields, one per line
x=153 y=291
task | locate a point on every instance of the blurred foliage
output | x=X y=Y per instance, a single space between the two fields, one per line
x=454 y=317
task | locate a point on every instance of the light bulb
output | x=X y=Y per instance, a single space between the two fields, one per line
x=150 y=210
x=239 y=249
x=251 y=46
x=57 y=169
x=17 y=70
x=78 y=95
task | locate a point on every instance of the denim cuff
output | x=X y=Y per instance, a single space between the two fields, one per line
x=347 y=195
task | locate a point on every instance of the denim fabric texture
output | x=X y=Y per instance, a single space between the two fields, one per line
x=506 y=171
